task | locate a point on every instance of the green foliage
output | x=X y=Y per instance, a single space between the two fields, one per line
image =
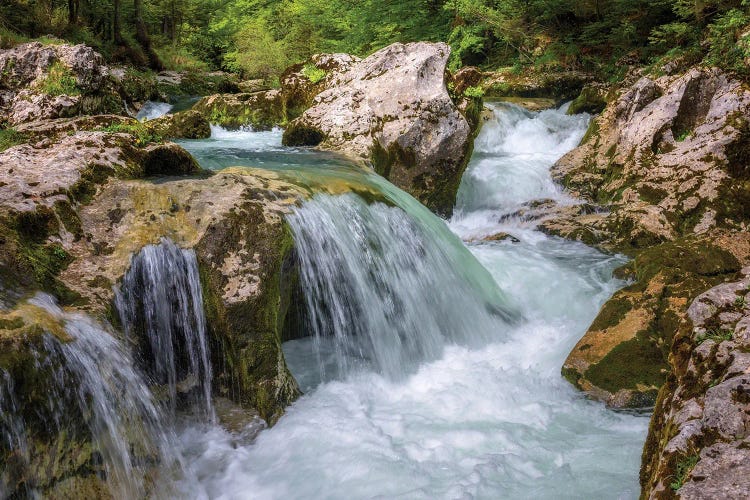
x=11 y=137
x=729 y=41
x=684 y=467
x=313 y=73
x=717 y=335
x=740 y=302
x=143 y=135
x=475 y=92
x=59 y=81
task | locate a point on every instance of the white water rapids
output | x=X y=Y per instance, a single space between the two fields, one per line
x=432 y=365
x=485 y=417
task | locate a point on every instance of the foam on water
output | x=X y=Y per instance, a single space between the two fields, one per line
x=494 y=420
x=152 y=110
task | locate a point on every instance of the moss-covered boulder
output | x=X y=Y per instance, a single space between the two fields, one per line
x=260 y=110
x=623 y=358
x=592 y=99
x=558 y=86
x=183 y=125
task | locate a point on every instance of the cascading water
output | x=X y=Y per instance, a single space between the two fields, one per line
x=95 y=374
x=160 y=298
x=152 y=110
x=483 y=412
x=368 y=275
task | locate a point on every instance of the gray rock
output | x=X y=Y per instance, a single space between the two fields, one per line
x=392 y=110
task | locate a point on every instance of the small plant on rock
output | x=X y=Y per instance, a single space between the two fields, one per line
x=475 y=92
x=684 y=467
x=717 y=335
x=59 y=81
x=313 y=73
x=740 y=302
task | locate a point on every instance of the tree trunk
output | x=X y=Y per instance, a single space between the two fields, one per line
x=141 y=35
x=116 y=28
x=73 y=6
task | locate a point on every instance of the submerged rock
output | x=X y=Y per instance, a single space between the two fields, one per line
x=393 y=111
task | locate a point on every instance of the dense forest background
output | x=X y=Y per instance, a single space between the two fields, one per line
x=259 y=38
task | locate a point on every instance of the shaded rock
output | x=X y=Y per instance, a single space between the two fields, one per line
x=189 y=124
x=414 y=135
x=592 y=100
x=530 y=103
x=560 y=86
x=260 y=110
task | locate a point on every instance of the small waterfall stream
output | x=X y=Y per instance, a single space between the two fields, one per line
x=94 y=380
x=368 y=275
x=161 y=299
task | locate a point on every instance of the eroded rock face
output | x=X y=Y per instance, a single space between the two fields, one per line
x=393 y=111
x=52 y=81
x=698 y=441
x=661 y=164
x=667 y=158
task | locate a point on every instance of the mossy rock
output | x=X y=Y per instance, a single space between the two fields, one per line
x=260 y=110
x=591 y=100
x=183 y=125
x=623 y=357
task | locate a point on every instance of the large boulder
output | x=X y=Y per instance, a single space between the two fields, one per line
x=666 y=161
x=50 y=81
x=697 y=442
x=393 y=111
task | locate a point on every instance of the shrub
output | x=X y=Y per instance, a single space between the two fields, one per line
x=475 y=92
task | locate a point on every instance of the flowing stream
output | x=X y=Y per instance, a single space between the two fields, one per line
x=433 y=368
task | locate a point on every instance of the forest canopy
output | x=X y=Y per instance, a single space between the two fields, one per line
x=259 y=38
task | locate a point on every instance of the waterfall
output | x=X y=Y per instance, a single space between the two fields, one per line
x=160 y=298
x=387 y=291
x=94 y=389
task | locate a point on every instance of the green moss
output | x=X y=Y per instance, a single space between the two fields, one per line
x=651 y=194
x=592 y=132
x=59 y=81
x=613 y=311
x=682 y=471
x=11 y=137
x=638 y=361
x=474 y=92
x=590 y=100
x=143 y=134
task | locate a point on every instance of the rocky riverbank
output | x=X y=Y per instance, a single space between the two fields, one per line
x=663 y=171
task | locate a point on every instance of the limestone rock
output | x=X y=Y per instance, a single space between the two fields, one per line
x=697 y=445
x=260 y=110
x=183 y=125
x=49 y=81
x=666 y=159
x=393 y=111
